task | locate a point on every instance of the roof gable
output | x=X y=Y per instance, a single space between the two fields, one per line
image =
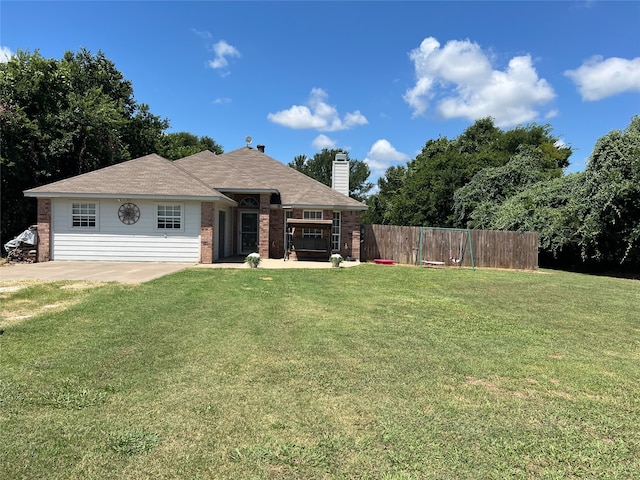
x=246 y=169
x=151 y=175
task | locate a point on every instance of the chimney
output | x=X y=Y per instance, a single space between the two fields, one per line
x=261 y=148
x=340 y=174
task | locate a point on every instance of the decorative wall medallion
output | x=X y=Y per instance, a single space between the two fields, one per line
x=128 y=213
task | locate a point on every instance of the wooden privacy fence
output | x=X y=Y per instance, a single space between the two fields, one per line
x=490 y=248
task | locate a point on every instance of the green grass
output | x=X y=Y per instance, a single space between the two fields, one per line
x=369 y=372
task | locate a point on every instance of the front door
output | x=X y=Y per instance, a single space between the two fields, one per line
x=248 y=234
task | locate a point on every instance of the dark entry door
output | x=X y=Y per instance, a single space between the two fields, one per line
x=248 y=232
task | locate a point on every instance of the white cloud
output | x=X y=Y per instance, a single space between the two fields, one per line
x=551 y=114
x=322 y=141
x=317 y=114
x=202 y=33
x=460 y=80
x=222 y=101
x=5 y=54
x=382 y=155
x=223 y=51
x=598 y=78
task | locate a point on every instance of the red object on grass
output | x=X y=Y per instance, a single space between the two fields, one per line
x=383 y=261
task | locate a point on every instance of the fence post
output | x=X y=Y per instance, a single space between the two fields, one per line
x=420 y=247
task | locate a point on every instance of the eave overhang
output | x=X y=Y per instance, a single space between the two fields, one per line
x=130 y=196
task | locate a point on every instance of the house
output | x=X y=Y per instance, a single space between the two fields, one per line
x=201 y=208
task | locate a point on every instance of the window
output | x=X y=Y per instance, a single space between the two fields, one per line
x=312 y=215
x=84 y=215
x=249 y=202
x=169 y=217
x=335 y=232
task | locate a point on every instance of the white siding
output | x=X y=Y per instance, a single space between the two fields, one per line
x=111 y=240
x=340 y=177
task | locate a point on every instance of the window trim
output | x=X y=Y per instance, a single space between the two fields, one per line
x=336 y=231
x=86 y=215
x=249 y=203
x=156 y=224
x=312 y=232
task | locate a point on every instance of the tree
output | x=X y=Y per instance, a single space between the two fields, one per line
x=320 y=167
x=381 y=204
x=182 y=144
x=443 y=166
x=590 y=219
x=60 y=118
x=610 y=229
x=476 y=203
x=553 y=209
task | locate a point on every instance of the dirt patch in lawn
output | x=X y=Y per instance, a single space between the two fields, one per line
x=16 y=308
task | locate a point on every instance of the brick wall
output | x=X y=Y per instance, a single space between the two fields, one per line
x=350 y=234
x=263 y=220
x=44 y=229
x=207 y=216
x=276 y=226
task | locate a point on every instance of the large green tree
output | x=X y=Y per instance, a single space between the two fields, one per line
x=552 y=208
x=591 y=219
x=60 y=118
x=182 y=144
x=381 y=205
x=476 y=203
x=443 y=166
x=610 y=227
x=320 y=166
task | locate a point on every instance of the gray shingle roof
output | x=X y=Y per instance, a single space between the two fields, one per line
x=247 y=169
x=151 y=176
x=203 y=175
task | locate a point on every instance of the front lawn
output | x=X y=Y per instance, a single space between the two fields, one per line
x=370 y=372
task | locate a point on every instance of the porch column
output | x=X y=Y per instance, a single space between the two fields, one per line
x=263 y=221
x=44 y=229
x=207 y=214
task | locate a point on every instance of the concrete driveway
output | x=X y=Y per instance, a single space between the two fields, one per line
x=124 y=272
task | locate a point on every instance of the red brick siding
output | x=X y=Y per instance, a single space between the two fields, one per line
x=350 y=234
x=263 y=220
x=207 y=216
x=44 y=229
x=276 y=227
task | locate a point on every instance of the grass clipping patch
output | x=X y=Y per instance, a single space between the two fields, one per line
x=133 y=442
x=72 y=397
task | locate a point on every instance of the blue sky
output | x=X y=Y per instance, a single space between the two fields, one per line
x=378 y=79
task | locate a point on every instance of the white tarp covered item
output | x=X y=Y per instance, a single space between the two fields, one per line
x=27 y=238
